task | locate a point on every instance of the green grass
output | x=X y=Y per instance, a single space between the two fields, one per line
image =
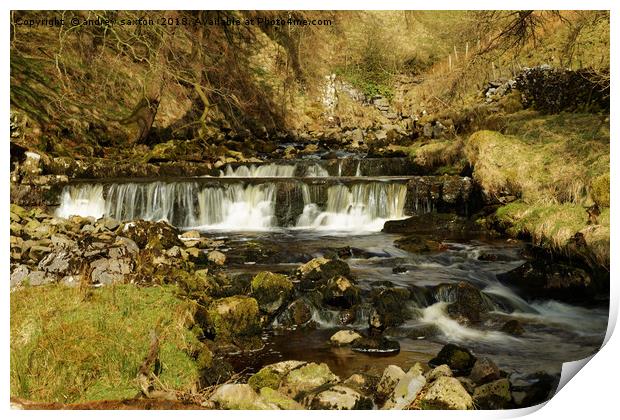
x=552 y=158
x=553 y=225
x=437 y=155
x=556 y=166
x=67 y=348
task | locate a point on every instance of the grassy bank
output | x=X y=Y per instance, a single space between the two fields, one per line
x=70 y=347
x=555 y=167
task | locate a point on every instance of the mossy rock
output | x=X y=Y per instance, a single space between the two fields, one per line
x=299 y=382
x=271 y=290
x=319 y=270
x=599 y=189
x=265 y=377
x=459 y=359
x=273 y=397
x=234 y=316
x=271 y=375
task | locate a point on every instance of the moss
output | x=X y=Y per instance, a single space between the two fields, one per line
x=270 y=290
x=551 y=158
x=271 y=396
x=554 y=225
x=205 y=358
x=234 y=316
x=307 y=378
x=265 y=377
x=600 y=190
x=65 y=348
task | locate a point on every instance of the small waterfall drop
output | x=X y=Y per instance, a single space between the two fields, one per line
x=361 y=207
x=271 y=170
x=316 y=171
x=82 y=200
x=358 y=170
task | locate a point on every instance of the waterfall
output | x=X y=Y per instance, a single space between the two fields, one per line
x=240 y=206
x=82 y=200
x=236 y=207
x=316 y=170
x=361 y=207
x=271 y=170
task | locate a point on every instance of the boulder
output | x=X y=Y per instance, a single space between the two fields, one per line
x=302 y=380
x=61 y=262
x=416 y=244
x=458 y=358
x=21 y=275
x=484 y=371
x=406 y=390
x=217 y=257
x=106 y=271
x=466 y=302
x=375 y=345
x=298 y=313
x=363 y=383
x=270 y=376
x=493 y=395
x=533 y=389
x=318 y=270
x=389 y=307
x=239 y=397
x=344 y=337
x=157 y=235
x=340 y=292
x=339 y=397
x=445 y=393
x=391 y=376
x=234 y=316
x=428 y=223
x=109 y=223
x=275 y=398
x=545 y=280
x=271 y=290
x=438 y=372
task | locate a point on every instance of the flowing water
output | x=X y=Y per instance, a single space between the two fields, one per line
x=301 y=211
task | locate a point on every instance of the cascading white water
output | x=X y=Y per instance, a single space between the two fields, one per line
x=271 y=170
x=316 y=170
x=236 y=207
x=361 y=207
x=82 y=200
x=184 y=204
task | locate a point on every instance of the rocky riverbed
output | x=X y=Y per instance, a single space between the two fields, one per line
x=396 y=305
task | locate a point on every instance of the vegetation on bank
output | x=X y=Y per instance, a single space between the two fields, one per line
x=554 y=171
x=70 y=345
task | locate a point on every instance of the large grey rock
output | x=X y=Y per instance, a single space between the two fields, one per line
x=22 y=275
x=62 y=262
x=438 y=372
x=273 y=397
x=446 y=393
x=338 y=397
x=239 y=397
x=493 y=395
x=107 y=271
x=344 y=337
x=484 y=371
x=299 y=382
x=406 y=390
x=217 y=257
x=390 y=378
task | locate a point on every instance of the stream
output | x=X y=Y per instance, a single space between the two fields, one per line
x=300 y=210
